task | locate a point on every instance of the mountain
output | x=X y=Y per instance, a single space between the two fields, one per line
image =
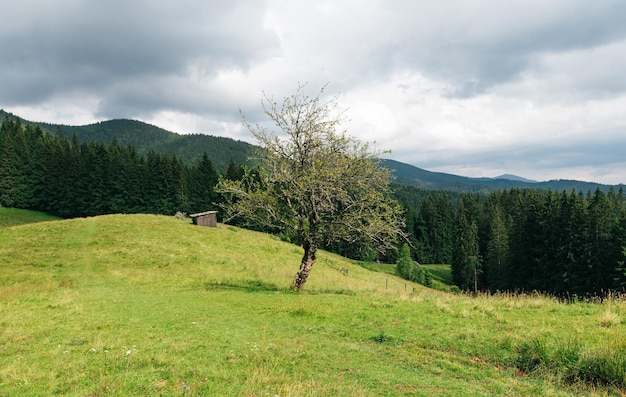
x=145 y=137
x=410 y=175
x=189 y=148
x=514 y=178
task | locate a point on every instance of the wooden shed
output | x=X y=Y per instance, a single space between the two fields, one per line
x=207 y=218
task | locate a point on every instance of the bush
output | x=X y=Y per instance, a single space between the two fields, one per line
x=410 y=270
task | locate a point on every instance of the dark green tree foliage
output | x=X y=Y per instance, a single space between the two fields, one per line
x=568 y=244
x=49 y=172
x=234 y=172
x=497 y=251
x=145 y=137
x=602 y=256
x=434 y=228
x=202 y=181
x=466 y=261
x=9 y=171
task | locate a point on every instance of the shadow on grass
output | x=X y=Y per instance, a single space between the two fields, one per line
x=244 y=285
x=263 y=286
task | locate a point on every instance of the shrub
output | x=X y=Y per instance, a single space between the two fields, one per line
x=410 y=270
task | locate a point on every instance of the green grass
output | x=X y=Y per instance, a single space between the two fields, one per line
x=441 y=277
x=12 y=217
x=149 y=305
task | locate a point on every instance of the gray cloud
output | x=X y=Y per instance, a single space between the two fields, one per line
x=483 y=87
x=112 y=48
x=479 y=47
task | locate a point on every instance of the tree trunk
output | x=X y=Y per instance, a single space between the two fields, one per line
x=308 y=260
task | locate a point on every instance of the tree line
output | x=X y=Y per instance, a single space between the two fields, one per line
x=512 y=240
x=61 y=176
x=567 y=244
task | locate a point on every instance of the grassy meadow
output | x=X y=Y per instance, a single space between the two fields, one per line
x=125 y=305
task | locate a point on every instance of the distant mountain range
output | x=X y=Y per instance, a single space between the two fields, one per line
x=407 y=174
x=514 y=178
x=189 y=148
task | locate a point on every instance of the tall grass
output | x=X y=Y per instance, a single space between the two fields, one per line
x=569 y=362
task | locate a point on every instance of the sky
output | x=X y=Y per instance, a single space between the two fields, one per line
x=477 y=88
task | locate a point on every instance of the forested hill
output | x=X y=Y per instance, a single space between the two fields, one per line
x=190 y=148
x=145 y=137
x=409 y=175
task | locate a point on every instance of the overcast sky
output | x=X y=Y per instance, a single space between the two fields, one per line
x=477 y=88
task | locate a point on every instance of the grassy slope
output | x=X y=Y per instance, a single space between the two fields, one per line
x=147 y=305
x=14 y=216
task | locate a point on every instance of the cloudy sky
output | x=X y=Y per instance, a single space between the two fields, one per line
x=473 y=87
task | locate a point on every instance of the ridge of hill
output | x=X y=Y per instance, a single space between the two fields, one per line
x=146 y=137
x=151 y=305
x=410 y=175
x=514 y=178
x=220 y=150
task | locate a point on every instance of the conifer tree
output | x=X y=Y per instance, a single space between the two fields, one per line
x=466 y=262
x=201 y=186
x=496 y=259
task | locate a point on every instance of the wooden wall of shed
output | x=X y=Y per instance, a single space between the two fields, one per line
x=209 y=220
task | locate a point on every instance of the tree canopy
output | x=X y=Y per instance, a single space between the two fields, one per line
x=318 y=185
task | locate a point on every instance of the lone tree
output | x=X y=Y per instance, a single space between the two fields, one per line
x=316 y=184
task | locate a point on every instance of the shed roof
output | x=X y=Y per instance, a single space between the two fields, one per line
x=202 y=214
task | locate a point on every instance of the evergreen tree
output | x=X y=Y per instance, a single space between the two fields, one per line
x=466 y=262
x=573 y=248
x=438 y=223
x=201 y=186
x=233 y=172
x=9 y=173
x=602 y=260
x=496 y=258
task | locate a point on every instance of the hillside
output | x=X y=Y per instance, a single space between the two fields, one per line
x=15 y=216
x=190 y=147
x=150 y=305
x=145 y=137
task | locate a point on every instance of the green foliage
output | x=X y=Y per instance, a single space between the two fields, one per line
x=569 y=244
x=317 y=184
x=50 y=173
x=410 y=270
x=440 y=275
x=466 y=263
x=189 y=148
x=429 y=218
x=565 y=243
